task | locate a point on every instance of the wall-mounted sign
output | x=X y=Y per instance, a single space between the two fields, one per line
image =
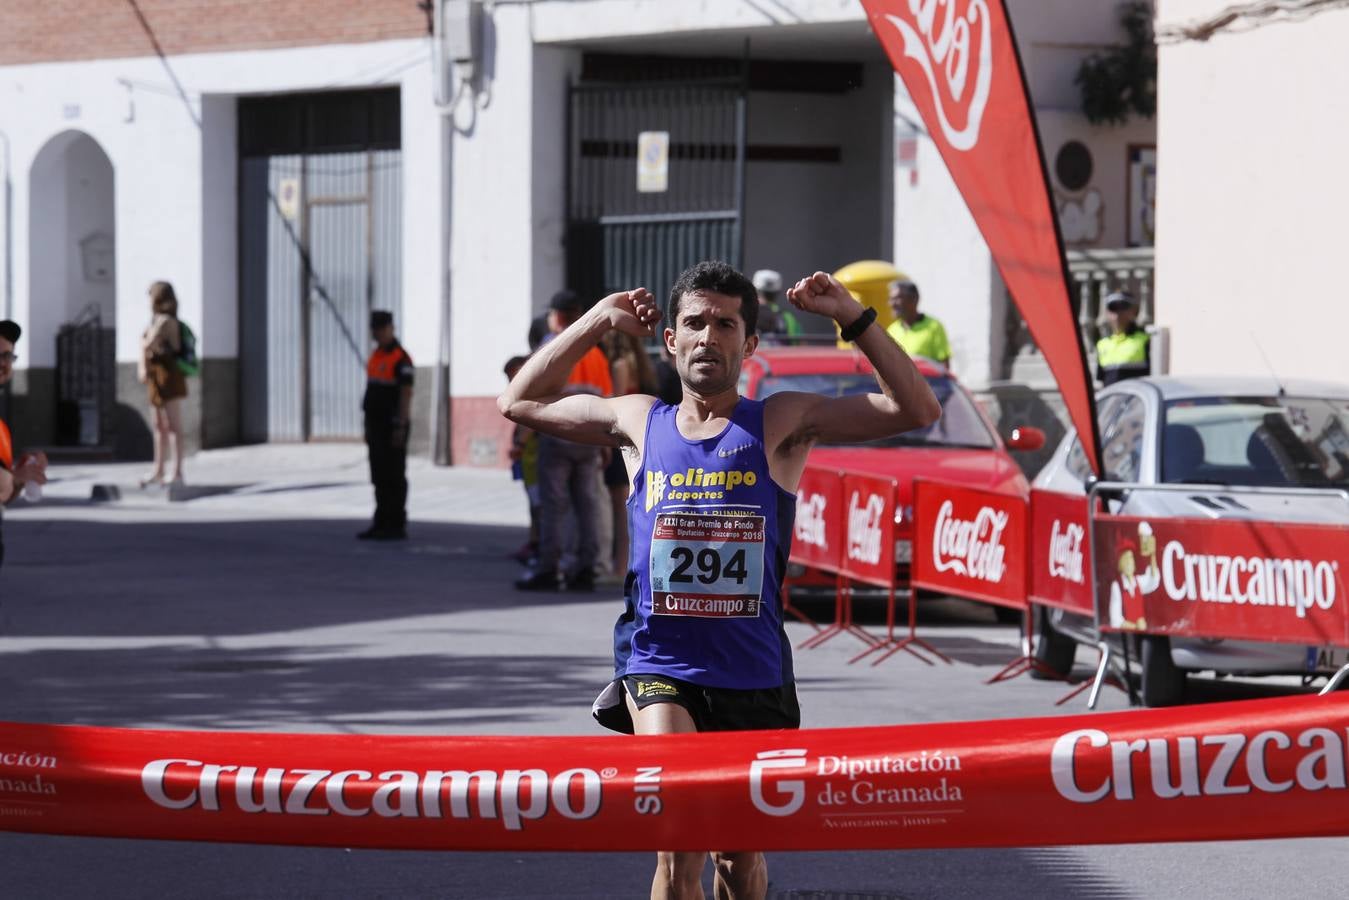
x=653 y=162
x=1142 y=195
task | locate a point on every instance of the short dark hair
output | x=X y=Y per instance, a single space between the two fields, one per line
x=719 y=278
x=515 y=362
x=904 y=286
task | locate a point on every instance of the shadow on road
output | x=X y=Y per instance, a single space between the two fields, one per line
x=240 y=577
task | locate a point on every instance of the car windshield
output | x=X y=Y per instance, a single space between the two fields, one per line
x=959 y=426
x=1262 y=441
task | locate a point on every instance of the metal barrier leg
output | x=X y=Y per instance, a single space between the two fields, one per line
x=1335 y=680
x=908 y=644
x=842 y=623
x=787 y=607
x=1102 y=677
x=1026 y=662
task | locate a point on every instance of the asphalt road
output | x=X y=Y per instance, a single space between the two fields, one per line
x=251 y=607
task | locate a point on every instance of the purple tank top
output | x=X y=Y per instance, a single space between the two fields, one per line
x=711 y=532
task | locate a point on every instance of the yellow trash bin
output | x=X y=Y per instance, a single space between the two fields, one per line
x=869 y=281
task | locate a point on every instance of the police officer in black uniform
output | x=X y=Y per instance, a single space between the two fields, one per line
x=387 y=405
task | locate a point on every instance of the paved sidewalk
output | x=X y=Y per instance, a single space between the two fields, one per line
x=280 y=481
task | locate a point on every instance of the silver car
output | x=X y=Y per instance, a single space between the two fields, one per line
x=1216 y=434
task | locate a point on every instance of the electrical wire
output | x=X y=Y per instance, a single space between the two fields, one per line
x=1244 y=17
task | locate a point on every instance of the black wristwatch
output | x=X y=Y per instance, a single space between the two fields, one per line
x=859 y=325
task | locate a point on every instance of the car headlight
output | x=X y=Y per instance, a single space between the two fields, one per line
x=903 y=551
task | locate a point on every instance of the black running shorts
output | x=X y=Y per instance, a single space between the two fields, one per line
x=712 y=709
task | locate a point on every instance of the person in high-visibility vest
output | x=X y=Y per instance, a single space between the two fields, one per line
x=777 y=324
x=388 y=409
x=918 y=334
x=1124 y=353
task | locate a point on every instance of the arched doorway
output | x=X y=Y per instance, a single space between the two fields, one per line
x=72 y=294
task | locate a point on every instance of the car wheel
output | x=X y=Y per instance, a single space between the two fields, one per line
x=1054 y=650
x=1163 y=683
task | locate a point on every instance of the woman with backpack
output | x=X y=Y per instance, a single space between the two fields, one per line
x=159 y=371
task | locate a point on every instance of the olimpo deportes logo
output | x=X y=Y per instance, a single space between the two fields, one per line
x=952 y=42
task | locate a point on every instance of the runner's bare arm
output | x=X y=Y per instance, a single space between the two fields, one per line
x=905 y=401
x=537 y=397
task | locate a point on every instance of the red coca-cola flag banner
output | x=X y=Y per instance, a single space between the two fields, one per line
x=1258 y=769
x=959 y=61
x=1060 y=564
x=869 y=550
x=1222 y=578
x=969 y=543
x=819 y=535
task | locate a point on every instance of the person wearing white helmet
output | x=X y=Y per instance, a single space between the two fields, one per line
x=776 y=325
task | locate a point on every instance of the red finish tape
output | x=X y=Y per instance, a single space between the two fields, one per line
x=1257 y=769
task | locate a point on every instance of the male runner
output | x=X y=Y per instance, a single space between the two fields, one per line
x=701 y=645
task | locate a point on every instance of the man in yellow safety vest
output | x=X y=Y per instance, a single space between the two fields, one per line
x=1124 y=353
x=918 y=334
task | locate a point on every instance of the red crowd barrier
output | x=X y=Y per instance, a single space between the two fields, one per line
x=1060 y=561
x=822 y=532
x=1256 y=769
x=1222 y=578
x=845 y=526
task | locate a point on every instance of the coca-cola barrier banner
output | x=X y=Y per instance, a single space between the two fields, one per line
x=1060 y=554
x=959 y=63
x=969 y=543
x=869 y=507
x=1257 y=769
x=818 y=535
x=1221 y=578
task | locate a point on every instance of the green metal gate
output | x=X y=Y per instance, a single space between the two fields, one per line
x=619 y=236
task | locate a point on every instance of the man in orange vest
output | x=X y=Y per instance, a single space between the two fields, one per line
x=569 y=473
x=387 y=406
x=33 y=466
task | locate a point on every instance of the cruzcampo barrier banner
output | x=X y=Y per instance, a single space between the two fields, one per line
x=1257 y=769
x=1223 y=578
x=958 y=59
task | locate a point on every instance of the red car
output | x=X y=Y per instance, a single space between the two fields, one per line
x=962 y=446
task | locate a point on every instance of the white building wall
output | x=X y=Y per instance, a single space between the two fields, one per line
x=169 y=174
x=562 y=20
x=1251 y=195
x=492 y=218
x=938 y=246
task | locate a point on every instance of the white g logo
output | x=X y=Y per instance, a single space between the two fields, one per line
x=794 y=791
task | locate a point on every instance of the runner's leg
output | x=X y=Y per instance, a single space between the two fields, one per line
x=739 y=876
x=678 y=875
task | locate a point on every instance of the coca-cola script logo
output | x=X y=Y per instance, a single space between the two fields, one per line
x=809 y=527
x=938 y=39
x=864 y=528
x=1065 y=551
x=972 y=548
